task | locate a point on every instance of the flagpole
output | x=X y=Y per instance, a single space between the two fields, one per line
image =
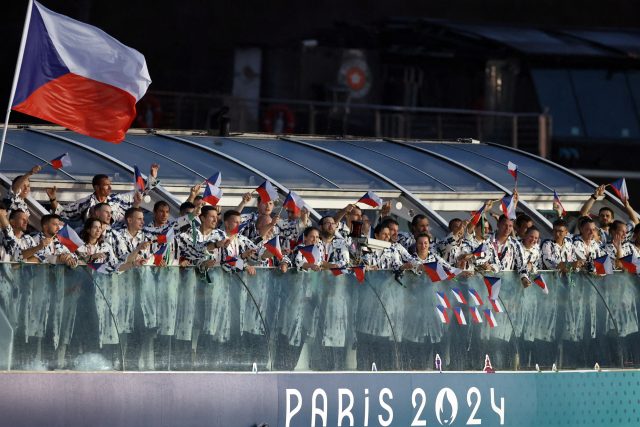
x=16 y=75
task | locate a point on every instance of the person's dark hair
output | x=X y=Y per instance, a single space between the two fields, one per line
x=387 y=221
x=86 y=229
x=532 y=228
x=416 y=219
x=185 y=206
x=97 y=178
x=421 y=235
x=560 y=223
x=308 y=230
x=321 y=222
x=46 y=219
x=606 y=208
x=197 y=198
x=208 y=208
x=228 y=214
x=584 y=220
x=615 y=224
x=452 y=222
x=160 y=204
x=378 y=229
x=14 y=213
x=13 y=182
x=522 y=219
x=636 y=229
x=503 y=218
x=129 y=212
x=99 y=206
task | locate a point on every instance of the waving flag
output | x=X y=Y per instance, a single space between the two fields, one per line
x=491 y=319
x=460 y=316
x=435 y=271
x=338 y=271
x=359 y=272
x=166 y=237
x=508 y=205
x=239 y=228
x=138 y=181
x=459 y=295
x=99 y=267
x=311 y=253
x=295 y=243
x=475 y=314
x=212 y=194
x=619 y=187
x=215 y=179
x=78 y=76
x=68 y=237
x=497 y=307
x=442 y=314
x=475 y=296
x=443 y=299
x=539 y=280
x=603 y=265
x=370 y=198
x=452 y=272
x=476 y=215
x=158 y=256
x=267 y=192
x=512 y=168
x=234 y=262
x=557 y=201
x=61 y=161
x=273 y=246
x=631 y=264
x=293 y=202
x=480 y=250
x=493 y=286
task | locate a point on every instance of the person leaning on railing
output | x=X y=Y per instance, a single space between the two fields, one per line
x=606 y=215
x=586 y=246
x=558 y=253
x=395 y=257
x=48 y=249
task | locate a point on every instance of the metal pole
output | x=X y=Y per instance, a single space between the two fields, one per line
x=514 y=131
x=16 y=75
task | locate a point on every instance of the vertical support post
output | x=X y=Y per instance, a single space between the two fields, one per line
x=544 y=130
x=514 y=131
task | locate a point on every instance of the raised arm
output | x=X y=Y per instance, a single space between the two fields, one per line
x=586 y=208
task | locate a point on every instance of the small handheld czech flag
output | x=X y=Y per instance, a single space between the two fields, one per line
x=512 y=168
x=557 y=201
x=61 y=161
x=630 y=264
x=435 y=271
x=338 y=271
x=273 y=246
x=267 y=192
x=68 y=237
x=480 y=250
x=539 y=280
x=311 y=253
x=138 y=181
x=370 y=198
x=442 y=314
x=460 y=316
x=293 y=202
x=475 y=296
x=603 y=265
x=476 y=215
x=215 y=179
x=619 y=187
x=508 y=205
x=359 y=272
x=493 y=286
x=158 y=256
x=166 y=237
x=212 y=193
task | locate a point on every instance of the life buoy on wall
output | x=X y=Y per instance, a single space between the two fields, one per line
x=279 y=119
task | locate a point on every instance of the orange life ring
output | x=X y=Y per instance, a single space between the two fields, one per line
x=279 y=119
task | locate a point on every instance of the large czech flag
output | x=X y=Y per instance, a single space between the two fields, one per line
x=76 y=75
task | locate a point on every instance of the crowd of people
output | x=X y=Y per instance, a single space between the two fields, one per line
x=115 y=236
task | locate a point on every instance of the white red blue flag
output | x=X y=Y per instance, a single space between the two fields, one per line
x=215 y=179
x=442 y=314
x=539 y=280
x=476 y=215
x=512 y=168
x=68 y=237
x=78 y=76
x=273 y=246
x=475 y=314
x=359 y=272
x=435 y=271
x=557 y=201
x=159 y=255
x=311 y=253
x=475 y=296
x=99 y=267
x=443 y=299
x=293 y=202
x=239 y=228
x=459 y=295
x=234 y=262
x=460 y=316
x=62 y=161
x=138 y=181
x=480 y=250
x=212 y=194
x=619 y=187
x=603 y=265
x=508 y=205
x=338 y=271
x=166 y=237
x=491 y=319
x=370 y=198
x=630 y=263
x=493 y=286
x=497 y=307
x=267 y=192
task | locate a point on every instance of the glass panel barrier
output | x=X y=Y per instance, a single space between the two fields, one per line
x=182 y=319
